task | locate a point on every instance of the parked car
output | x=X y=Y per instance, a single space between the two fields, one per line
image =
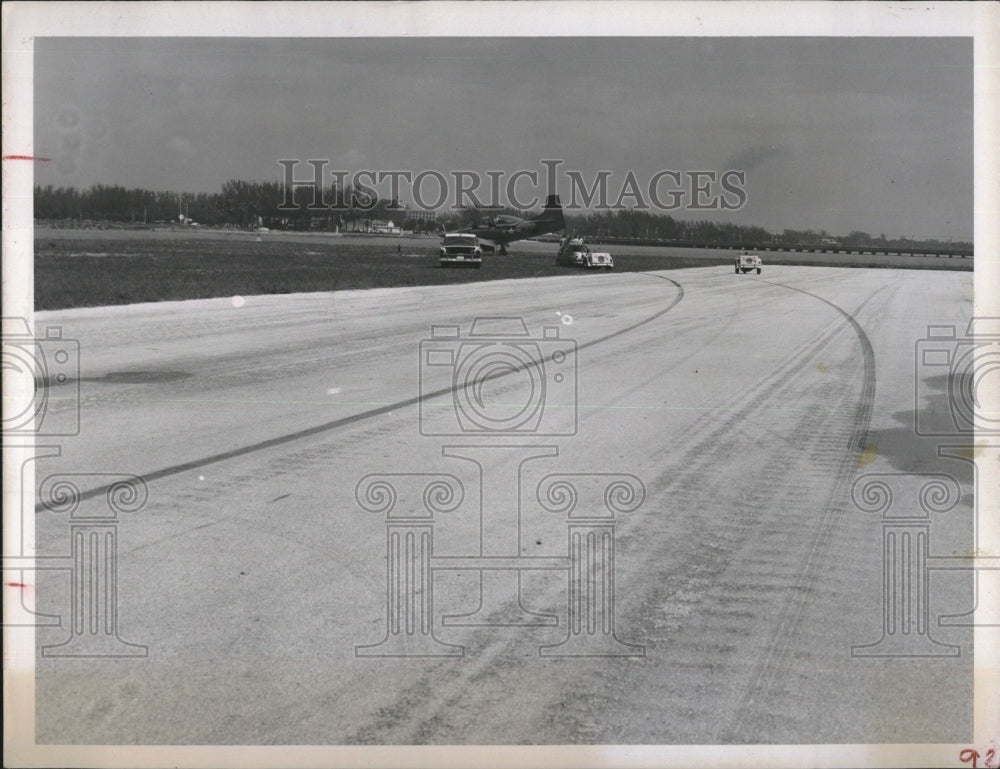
x=573 y=252
x=746 y=262
x=461 y=249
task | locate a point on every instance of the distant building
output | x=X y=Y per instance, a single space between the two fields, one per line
x=379 y=227
x=419 y=215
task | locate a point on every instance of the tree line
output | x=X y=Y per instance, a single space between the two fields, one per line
x=626 y=223
x=643 y=224
x=244 y=205
x=238 y=204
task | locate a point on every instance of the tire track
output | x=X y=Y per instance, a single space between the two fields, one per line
x=370 y=413
x=712 y=429
x=772 y=667
x=579 y=712
x=689 y=581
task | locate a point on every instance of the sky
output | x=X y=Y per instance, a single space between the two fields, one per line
x=841 y=134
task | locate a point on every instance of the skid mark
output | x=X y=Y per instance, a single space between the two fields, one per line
x=769 y=672
x=326 y=427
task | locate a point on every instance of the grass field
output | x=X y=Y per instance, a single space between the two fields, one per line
x=87 y=269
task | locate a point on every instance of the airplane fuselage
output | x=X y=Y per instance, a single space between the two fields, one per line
x=499 y=232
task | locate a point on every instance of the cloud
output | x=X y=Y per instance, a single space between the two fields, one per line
x=751 y=157
x=181 y=146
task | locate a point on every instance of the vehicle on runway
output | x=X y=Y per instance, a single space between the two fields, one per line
x=746 y=262
x=460 y=249
x=496 y=232
x=573 y=252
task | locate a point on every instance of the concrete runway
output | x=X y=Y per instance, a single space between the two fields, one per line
x=743 y=408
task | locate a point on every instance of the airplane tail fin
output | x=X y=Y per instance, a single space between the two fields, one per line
x=553 y=212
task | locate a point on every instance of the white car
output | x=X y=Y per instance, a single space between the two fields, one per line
x=461 y=249
x=747 y=262
x=573 y=252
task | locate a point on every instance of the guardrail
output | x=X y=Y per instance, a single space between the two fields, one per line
x=944 y=251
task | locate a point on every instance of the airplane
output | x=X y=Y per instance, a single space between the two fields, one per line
x=500 y=230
